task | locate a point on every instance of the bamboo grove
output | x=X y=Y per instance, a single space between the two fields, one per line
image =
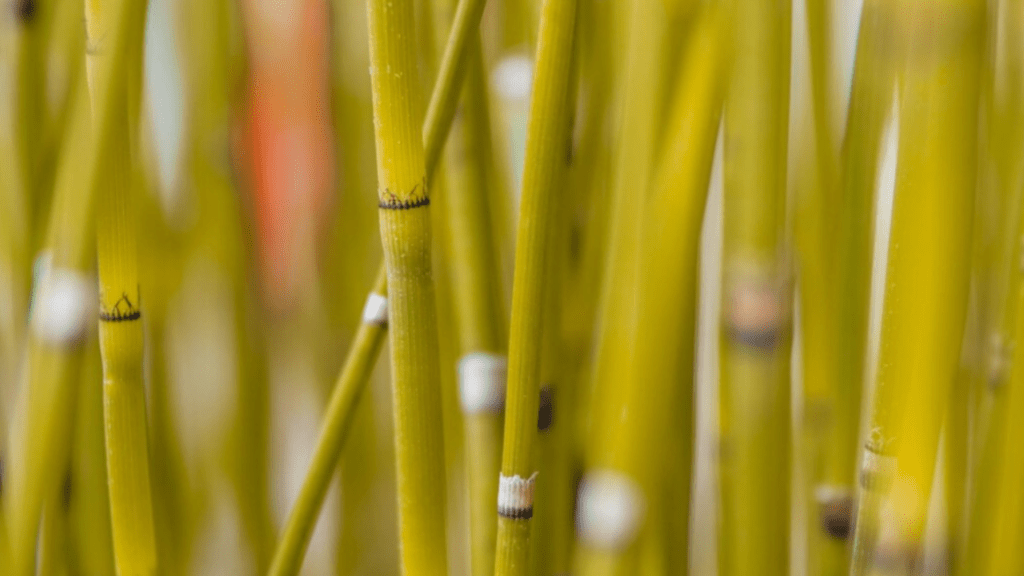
x=512 y=287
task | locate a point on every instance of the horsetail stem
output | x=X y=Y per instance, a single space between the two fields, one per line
x=112 y=28
x=545 y=150
x=924 y=321
x=755 y=336
x=659 y=393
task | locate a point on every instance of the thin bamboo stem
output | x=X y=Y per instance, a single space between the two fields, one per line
x=926 y=284
x=61 y=314
x=644 y=88
x=659 y=393
x=835 y=236
x=292 y=545
x=112 y=27
x=545 y=152
x=755 y=335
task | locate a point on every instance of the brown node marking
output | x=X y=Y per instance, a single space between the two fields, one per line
x=25 y=10
x=390 y=201
x=123 y=311
x=545 y=413
x=835 y=515
x=515 y=513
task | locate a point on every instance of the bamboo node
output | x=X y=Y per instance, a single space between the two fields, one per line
x=391 y=201
x=376 y=310
x=515 y=496
x=482 y=378
x=122 y=311
x=610 y=510
x=877 y=470
x=835 y=510
x=757 y=312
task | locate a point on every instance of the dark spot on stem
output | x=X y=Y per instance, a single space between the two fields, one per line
x=545 y=414
x=66 y=491
x=25 y=10
x=835 y=515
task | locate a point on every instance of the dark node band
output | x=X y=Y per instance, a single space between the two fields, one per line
x=404 y=204
x=515 y=513
x=123 y=311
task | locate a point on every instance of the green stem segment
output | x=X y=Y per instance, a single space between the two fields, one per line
x=113 y=29
x=756 y=334
x=927 y=281
x=545 y=153
x=658 y=399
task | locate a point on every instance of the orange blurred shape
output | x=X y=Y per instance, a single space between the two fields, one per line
x=289 y=148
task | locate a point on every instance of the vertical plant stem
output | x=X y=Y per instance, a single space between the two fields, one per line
x=756 y=335
x=544 y=171
x=659 y=392
x=111 y=27
x=62 y=312
x=927 y=281
x=405 y=236
x=835 y=286
x=356 y=369
x=644 y=78
x=478 y=305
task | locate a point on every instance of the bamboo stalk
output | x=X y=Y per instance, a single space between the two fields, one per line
x=926 y=285
x=290 y=549
x=61 y=313
x=111 y=29
x=405 y=236
x=755 y=338
x=836 y=235
x=544 y=171
x=478 y=302
x=659 y=393
x=644 y=76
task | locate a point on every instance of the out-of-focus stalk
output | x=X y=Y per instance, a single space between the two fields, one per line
x=754 y=451
x=659 y=393
x=834 y=237
x=926 y=284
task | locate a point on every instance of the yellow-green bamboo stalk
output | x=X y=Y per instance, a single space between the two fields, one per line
x=552 y=537
x=405 y=236
x=92 y=547
x=927 y=281
x=997 y=281
x=111 y=27
x=476 y=294
x=291 y=548
x=755 y=335
x=835 y=240
x=658 y=395
x=644 y=78
x=62 y=311
x=337 y=420
x=545 y=152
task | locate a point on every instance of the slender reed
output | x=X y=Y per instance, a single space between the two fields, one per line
x=755 y=335
x=478 y=303
x=112 y=28
x=658 y=396
x=834 y=236
x=299 y=526
x=545 y=153
x=644 y=76
x=926 y=283
x=62 y=310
